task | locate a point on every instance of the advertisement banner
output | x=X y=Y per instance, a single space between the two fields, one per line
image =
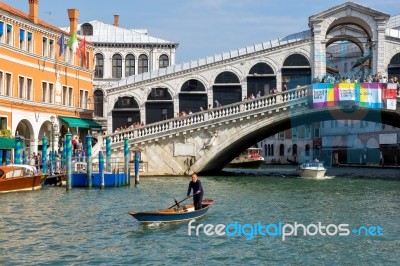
x=368 y=95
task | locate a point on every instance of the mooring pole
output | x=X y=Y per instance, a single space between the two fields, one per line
x=68 y=137
x=89 y=159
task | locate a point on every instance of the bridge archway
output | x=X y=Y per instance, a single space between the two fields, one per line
x=296 y=71
x=261 y=78
x=193 y=95
x=394 y=67
x=159 y=105
x=265 y=127
x=126 y=112
x=227 y=88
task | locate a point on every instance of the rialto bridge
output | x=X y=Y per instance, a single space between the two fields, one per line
x=347 y=40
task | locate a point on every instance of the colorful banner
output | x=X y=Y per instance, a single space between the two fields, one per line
x=371 y=95
x=368 y=95
x=389 y=96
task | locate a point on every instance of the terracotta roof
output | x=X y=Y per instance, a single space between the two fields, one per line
x=25 y=16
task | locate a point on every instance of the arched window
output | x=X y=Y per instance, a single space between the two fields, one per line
x=272 y=149
x=99 y=68
x=98 y=103
x=294 y=149
x=129 y=65
x=282 y=150
x=87 y=29
x=307 y=149
x=117 y=66
x=164 y=61
x=143 y=64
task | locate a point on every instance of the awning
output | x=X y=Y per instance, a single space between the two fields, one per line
x=81 y=123
x=361 y=60
x=7 y=143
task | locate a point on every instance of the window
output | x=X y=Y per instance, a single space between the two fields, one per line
x=21 y=87
x=51 y=52
x=70 y=97
x=294 y=133
x=1 y=31
x=9 y=36
x=87 y=29
x=30 y=42
x=44 y=92
x=3 y=123
x=281 y=150
x=307 y=149
x=44 y=46
x=116 y=66
x=281 y=135
x=143 y=64
x=164 y=61
x=51 y=92
x=98 y=103
x=1 y=83
x=29 y=89
x=65 y=95
x=8 y=85
x=99 y=67
x=21 y=39
x=316 y=132
x=129 y=65
x=83 y=99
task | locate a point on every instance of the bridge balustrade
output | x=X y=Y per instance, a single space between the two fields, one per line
x=224 y=112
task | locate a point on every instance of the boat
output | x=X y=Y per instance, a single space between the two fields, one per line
x=172 y=215
x=20 y=177
x=313 y=169
x=250 y=158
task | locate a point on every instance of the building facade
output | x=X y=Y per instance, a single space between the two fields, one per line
x=120 y=53
x=42 y=78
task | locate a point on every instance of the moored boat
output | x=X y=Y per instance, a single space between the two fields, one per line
x=313 y=169
x=250 y=158
x=20 y=177
x=172 y=215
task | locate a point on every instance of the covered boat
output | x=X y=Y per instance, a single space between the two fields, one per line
x=313 y=169
x=172 y=215
x=250 y=158
x=20 y=177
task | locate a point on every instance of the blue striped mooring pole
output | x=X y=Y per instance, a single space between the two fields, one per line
x=89 y=159
x=68 y=137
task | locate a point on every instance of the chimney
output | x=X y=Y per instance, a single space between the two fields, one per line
x=116 y=20
x=73 y=20
x=33 y=10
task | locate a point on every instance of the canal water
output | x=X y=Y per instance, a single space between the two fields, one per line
x=92 y=227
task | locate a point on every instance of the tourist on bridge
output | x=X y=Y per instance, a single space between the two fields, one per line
x=198 y=191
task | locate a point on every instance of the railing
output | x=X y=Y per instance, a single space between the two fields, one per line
x=211 y=116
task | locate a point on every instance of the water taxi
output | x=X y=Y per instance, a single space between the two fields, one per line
x=250 y=158
x=313 y=169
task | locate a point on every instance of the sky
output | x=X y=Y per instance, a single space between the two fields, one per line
x=201 y=27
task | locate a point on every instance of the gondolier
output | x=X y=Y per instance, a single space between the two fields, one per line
x=198 y=191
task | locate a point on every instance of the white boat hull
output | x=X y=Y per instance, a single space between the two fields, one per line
x=312 y=173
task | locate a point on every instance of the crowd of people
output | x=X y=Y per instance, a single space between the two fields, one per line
x=378 y=77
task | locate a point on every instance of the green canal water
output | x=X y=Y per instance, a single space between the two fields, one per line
x=92 y=227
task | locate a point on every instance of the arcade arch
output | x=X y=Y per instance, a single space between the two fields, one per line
x=193 y=95
x=227 y=88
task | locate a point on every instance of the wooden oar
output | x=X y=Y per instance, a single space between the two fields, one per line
x=177 y=203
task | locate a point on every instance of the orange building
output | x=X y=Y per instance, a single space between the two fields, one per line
x=44 y=74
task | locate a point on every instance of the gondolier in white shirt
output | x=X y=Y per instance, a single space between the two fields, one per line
x=198 y=191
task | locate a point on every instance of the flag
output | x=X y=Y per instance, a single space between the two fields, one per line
x=61 y=44
x=73 y=43
x=82 y=50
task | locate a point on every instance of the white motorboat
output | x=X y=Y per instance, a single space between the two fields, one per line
x=313 y=169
